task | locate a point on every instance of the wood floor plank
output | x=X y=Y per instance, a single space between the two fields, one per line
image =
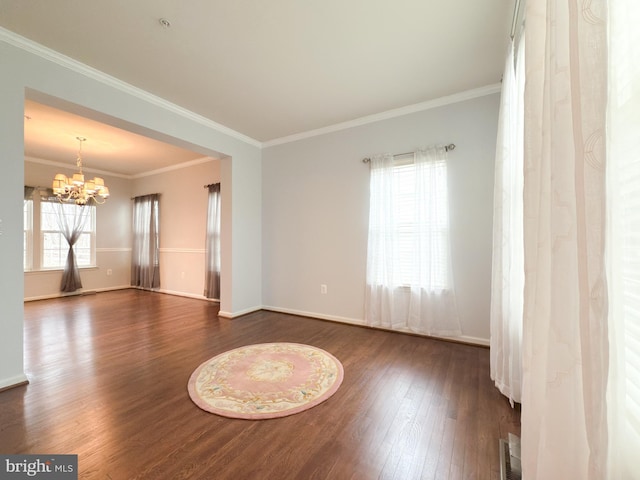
x=108 y=381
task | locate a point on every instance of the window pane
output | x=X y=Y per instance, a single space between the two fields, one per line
x=83 y=242
x=419 y=231
x=48 y=216
x=51 y=259
x=55 y=250
x=82 y=249
x=52 y=240
x=83 y=257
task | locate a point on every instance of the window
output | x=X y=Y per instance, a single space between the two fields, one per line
x=54 y=247
x=409 y=223
x=409 y=280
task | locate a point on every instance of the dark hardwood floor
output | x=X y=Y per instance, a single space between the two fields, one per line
x=108 y=381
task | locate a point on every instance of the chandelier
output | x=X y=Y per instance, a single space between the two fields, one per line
x=75 y=189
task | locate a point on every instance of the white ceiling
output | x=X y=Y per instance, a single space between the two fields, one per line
x=273 y=69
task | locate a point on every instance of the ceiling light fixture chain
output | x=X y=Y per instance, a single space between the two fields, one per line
x=75 y=190
x=79 y=159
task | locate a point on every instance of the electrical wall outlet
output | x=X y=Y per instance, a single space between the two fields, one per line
x=323 y=289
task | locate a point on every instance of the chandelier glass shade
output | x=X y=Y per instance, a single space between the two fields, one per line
x=76 y=189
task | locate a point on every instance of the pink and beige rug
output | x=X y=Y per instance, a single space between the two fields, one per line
x=266 y=380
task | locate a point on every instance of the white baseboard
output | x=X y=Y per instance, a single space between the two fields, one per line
x=483 y=342
x=120 y=287
x=333 y=318
x=79 y=292
x=321 y=316
x=180 y=294
x=360 y=322
x=240 y=313
x=13 y=381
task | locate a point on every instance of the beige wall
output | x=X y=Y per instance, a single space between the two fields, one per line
x=183 y=209
x=183 y=217
x=113 y=237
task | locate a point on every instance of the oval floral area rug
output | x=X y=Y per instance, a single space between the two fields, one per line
x=266 y=380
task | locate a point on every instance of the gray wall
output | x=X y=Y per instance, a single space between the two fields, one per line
x=315 y=211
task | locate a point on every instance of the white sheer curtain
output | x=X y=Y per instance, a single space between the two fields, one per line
x=565 y=350
x=212 y=244
x=409 y=278
x=71 y=220
x=623 y=241
x=145 y=254
x=508 y=249
x=28 y=227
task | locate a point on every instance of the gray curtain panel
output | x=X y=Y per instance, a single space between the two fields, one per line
x=145 y=261
x=71 y=221
x=28 y=193
x=212 y=246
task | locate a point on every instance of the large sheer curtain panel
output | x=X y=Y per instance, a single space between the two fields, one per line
x=145 y=255
x=507 y=286
x=212 y=244
x=565 y=338
x=71 y=220
x=409 y=278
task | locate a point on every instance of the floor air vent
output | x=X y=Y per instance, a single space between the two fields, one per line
x=510 y=465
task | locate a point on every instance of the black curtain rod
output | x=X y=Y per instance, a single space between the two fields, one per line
x=447 y=148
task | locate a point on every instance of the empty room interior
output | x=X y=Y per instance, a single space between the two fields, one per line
x=408 y=225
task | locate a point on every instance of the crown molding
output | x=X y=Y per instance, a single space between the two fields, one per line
x=68 y=166
x=396 y=112
x=171 y=168
x=46 y=53
x=58 y=58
